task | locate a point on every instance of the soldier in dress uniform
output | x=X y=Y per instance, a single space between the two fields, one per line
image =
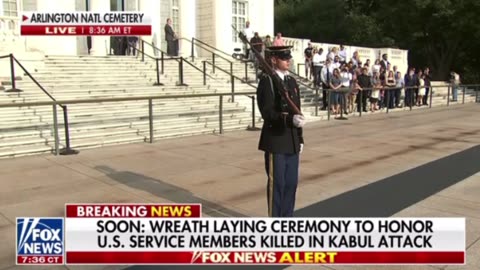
x=282 y=136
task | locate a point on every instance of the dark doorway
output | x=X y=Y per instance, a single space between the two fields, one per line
x=89 y=38
x=118 y=45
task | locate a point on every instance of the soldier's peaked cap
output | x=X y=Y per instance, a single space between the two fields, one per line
x=282 y=52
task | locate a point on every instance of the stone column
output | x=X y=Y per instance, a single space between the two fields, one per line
x=188 y=25
x=100 y=44
x=152 y=9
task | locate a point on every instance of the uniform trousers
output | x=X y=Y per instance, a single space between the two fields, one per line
x=282 y=173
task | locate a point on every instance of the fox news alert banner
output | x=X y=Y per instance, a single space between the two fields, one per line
x=85 y=24
x=175 y=234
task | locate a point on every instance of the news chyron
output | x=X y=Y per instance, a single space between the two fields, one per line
x=40 y=241
x=125 y=23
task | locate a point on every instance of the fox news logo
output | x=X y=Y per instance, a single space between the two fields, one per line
x=40 y=237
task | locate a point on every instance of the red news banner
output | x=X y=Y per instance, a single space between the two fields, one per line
x=85 y=30
x=85 y=24
x=176 y=234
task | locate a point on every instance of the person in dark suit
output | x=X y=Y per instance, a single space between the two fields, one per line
x=132 y=45
x=428 y=85
x=171 y=38
x=281 y=138
x=257 y=45
x=410 y=83
x=384 y=63
x=365 y=83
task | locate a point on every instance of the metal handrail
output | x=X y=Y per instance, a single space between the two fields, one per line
x=12 y=60
x=178 y=58
x=150 y=108
x=345 y=90
x=158 y=83
x=232 y=79
x=214 y=55
x=100 y=100
x=210 y=51
x=231 y=74
x=119 y=99
x=150 y=99
x=197 y=68
x=34 y=80
x=210 y=46
x=67 y=150
x=298 y=74
x=300 y=82
x=142 y=52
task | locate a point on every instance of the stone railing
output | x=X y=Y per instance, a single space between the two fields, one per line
x=396 y=56
x=9 y=27
x=10 y=39
x=294 y=42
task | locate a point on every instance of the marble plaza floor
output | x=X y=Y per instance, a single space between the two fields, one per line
x=226 y=174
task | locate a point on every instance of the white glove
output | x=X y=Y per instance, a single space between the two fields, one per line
x=301 y=148
x=299 y=120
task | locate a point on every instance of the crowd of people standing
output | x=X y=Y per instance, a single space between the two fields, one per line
x=379 y=86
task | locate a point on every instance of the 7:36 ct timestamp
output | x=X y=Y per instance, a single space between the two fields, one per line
x=43 y=259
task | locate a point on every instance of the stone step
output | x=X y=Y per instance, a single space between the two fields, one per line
x=86 y=74
x=24 y=150
x=92 y=97
x=102 y=116
x=95 y=61
x=80 y=139
x=33 y=95
x=45 y=112
x=108 y=75
x=20 y=149
x=15 y=117
x=95 y=135
x=134 y=88
x=94 y=125
x=62 y=96
x=127 y=118
x=106 y=95
x=93 y=75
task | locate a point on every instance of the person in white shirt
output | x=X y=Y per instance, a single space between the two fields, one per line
x=332 y=53
x=318 y=62
x=327 y=71
x=343 y=55
x=336 y=62
x=356 y=60
x=400 y=83
x=326 y=76
x=249 y=33
x=376 y=67
x=421 y=88
x=346 y=78
x=455 y=81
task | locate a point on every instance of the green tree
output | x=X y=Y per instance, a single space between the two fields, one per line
x=441 y=34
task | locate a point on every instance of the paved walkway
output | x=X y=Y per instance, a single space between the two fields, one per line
x=226 y=173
